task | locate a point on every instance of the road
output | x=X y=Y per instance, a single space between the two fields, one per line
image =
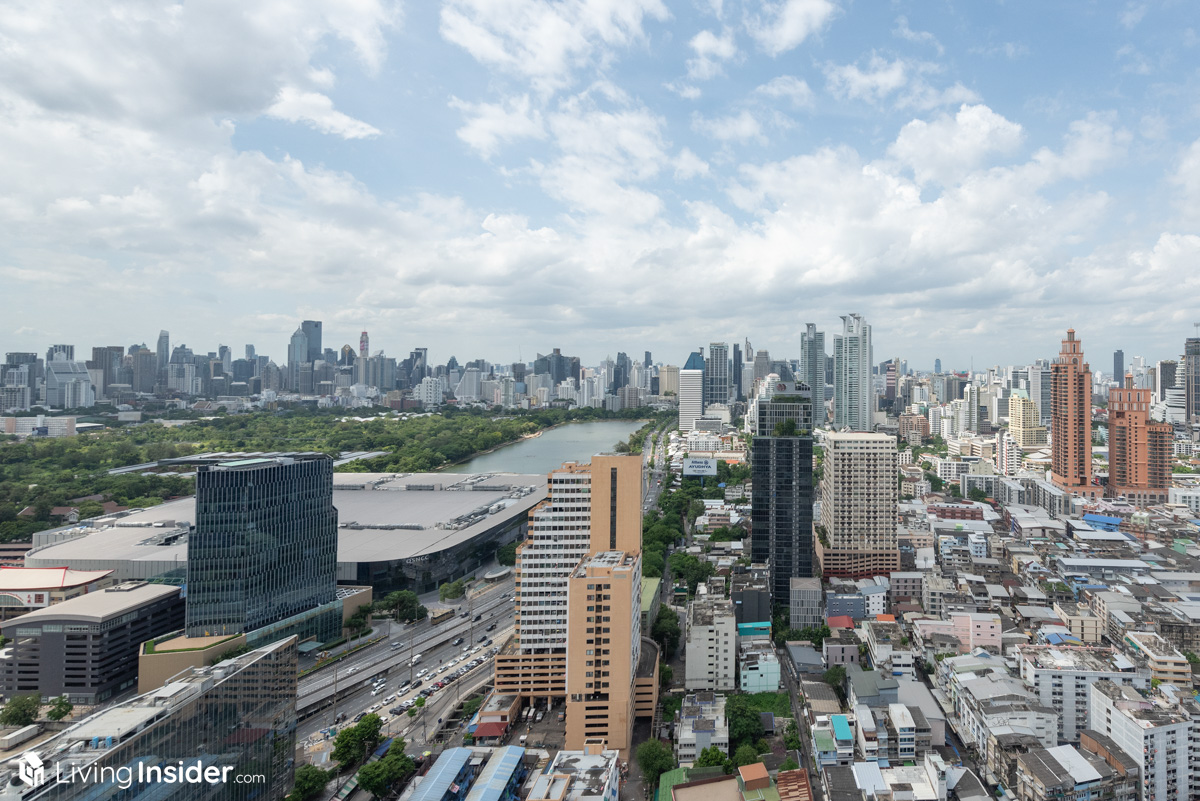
x=355 y=673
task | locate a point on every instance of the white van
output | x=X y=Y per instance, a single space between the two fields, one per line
x=416 y=660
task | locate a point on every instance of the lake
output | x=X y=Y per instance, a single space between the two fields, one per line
x=573 y=442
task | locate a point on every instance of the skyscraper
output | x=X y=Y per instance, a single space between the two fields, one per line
x=582 y=557
x=1119 y=367
x=264 y=549
x=937 y=365
x=297 y=356
x=1140 y=451
x=716 y=374
x=853 y=405
x=691 y=392
x=312 y=332
x=163 y=352
x=364 y=345
x=1166 y=376
x=735 y=373
x=145 y=371
x=1023 y=421
x=781 y=465
x=856 y=537
x=812 y=367
x=1071 y=419
x=1191 y=379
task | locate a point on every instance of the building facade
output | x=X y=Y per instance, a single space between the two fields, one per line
x=86 y=648
x=1071 y=420
x=710 y=645
x=856 y=536
x=691 y=392
x=853 y=402
x=781 y=469
x=1140 y=450
x=264 y=548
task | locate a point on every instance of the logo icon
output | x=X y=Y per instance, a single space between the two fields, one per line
x=31 y=769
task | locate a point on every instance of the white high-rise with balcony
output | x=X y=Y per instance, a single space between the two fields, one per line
x=853 y=403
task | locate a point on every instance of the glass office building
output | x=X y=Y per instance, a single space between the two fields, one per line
x=232 y=726
x=781 y=511
x=264 y=549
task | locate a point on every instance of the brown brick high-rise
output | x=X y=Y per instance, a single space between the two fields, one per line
x=1140 y=451
x=1071 y=419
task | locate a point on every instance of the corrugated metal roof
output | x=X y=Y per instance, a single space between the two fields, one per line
x=442 y=775
x=497 y=774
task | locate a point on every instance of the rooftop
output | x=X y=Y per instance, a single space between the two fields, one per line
x=381 y=517
x=95 y=607
x=18 y=579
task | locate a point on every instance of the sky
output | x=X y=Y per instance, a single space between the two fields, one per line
x=495 y=178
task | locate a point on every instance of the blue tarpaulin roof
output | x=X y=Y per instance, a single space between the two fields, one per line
x=841 y=728
x=442 y=775
x=496 y=775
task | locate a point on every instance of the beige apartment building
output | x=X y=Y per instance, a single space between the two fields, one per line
x=592 y=514
x=1024 y=423
x=856 y=535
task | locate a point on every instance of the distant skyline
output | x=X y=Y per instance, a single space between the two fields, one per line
x=483 y=178
x=276 y=349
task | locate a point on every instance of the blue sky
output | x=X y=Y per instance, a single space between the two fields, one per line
x=488 y=177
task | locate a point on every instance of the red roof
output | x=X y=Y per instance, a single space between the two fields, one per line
x=490 y=729
x=840 y=622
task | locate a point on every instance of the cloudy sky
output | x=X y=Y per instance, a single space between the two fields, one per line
x=494 y=177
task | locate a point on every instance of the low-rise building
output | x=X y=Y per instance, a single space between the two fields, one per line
x=889 y=648
x=1052 y=774
x=759 y=667
x=1166 y=663
x=86 y=648
x=805 y=605
x=450 y=778
x=710 y=645
x=1062 y=677
x=701 y=724
x=23 y=589
x=591 y=774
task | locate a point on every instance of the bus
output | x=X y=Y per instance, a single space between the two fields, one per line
x=441 y=616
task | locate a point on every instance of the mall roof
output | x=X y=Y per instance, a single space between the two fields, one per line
x=96 y=607
x=16 y=579
x=381 y=517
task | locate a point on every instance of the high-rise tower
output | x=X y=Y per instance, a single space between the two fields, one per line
x=781 y=464
x=578 y=602
x=857 y=534
x=716 y=374
x=1071 y=419
x=265 y=546
x=691 y=392
x=1140 y=451
x=364 y=345
x=812 y=368
x=1191 y=379
x=853 y=403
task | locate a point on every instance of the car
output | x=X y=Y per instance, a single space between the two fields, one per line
x=375 y=707
x=421 y=672
x=488 y=641
x=454 y=661
x=477 y=618
x=416 y=684
x=375 y=693
x=397 y=644
x=482 y=639
x=405 y=683
x=351 y=671
x=359 y=716
x=383 y=718
x=466 y=650
x=491 y=627
x=439 y=685
x=428 y=691
x=395 y=711
x=457 y=642
x=465 y=614
x=390 y=698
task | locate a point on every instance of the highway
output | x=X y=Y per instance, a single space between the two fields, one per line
x=355 y=674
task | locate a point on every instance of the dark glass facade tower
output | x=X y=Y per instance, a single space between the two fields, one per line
x=781 y=468
x=265 y=546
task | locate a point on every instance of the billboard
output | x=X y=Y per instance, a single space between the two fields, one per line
x=699 y=467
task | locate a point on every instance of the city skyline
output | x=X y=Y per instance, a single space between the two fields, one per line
x=971 y=180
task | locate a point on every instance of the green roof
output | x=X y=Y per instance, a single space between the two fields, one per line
x=650 y=587
x=824 y=741
x=668 y=780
